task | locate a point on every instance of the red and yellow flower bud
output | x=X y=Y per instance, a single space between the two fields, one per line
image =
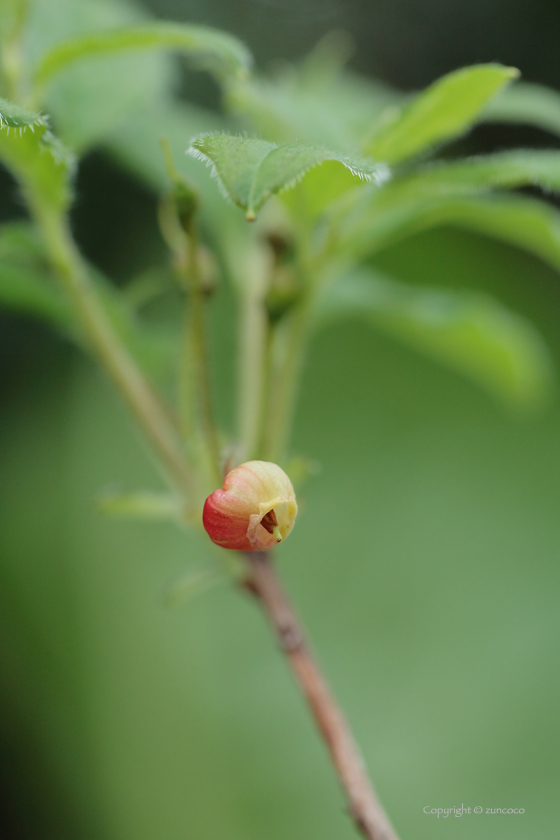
x=255 y=509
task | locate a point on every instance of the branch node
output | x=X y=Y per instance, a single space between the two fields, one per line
x=291 y=639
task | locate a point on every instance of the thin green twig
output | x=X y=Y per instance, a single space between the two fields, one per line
x=12 y=21
x=178 y=223
x=253 y=330
x=199 y=350
x=128 y=379
x=287 y=378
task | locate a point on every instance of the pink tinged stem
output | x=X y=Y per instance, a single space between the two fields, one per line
x=364 y=805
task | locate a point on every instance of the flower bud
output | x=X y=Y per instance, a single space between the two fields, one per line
x=255 y=509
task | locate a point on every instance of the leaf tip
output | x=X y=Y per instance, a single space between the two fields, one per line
x=512 y=72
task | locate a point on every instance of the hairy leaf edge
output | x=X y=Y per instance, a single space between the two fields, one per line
x=380 y=174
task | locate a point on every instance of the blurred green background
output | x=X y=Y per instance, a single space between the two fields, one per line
x=425 y=560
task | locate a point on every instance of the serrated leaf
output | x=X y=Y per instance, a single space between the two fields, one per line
x=34 y=155
x=249 y=170
x=442 y=112
x=470 y=332
x=322 y=187
x=526 y=103
x=216 y=50
x=14 y=116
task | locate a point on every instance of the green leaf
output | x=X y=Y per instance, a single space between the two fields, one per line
x=14 y=116
x=28 y=292
x=249 y=171
x=430 y=193
x=160 y=507
x=195 y=582
x=506 y=170
x=93 y=96
x=526 y=103
x=153 y=343
x=442 y=112
x=20 y=243
x=34 y=155
x=215 y=50
x=525 y=223
x=26 y=286
x=297 y=104
x=467 y=331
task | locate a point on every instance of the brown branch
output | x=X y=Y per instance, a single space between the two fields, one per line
x=364 y=806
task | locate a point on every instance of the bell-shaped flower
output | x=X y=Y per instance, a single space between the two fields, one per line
x=255 y=509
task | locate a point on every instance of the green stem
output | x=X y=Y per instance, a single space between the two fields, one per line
x=179 y=228
x=288 y=352
x=12 y=22
x=253 y=329
x=267 y=389
x=198 y=350
x=286 y=381
x=289 y=347
x=186 y=385
x=104 y=342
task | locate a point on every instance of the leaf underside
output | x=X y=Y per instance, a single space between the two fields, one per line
x=217 y=50
x=527 y=104
x=468 y=331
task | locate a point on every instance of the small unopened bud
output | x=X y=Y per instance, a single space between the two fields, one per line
x=281 y=245
x=254 y=510
x=209 y=272
x=185 y=203
x=282 y=295
x=182 y=196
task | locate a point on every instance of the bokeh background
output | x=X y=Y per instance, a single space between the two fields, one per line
x=425 y=561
